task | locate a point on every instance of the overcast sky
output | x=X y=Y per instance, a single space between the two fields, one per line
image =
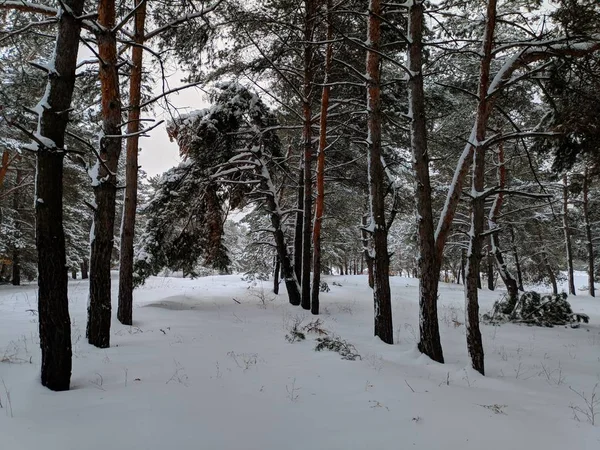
x=157 y=152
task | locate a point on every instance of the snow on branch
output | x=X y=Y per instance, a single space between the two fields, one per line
x=23 y=6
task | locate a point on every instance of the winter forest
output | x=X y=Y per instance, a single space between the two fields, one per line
x=381 y=224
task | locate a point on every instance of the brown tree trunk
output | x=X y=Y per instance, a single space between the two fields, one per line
x=105 y=189
x=299 y=224
x=320 y=199
x=588 y=232
x=4 y=164
x=567 y=231
x=125 y=309
x=474 y=343
x=53 y=304
x=429 y=264
x=309 y=18
x=378 y=225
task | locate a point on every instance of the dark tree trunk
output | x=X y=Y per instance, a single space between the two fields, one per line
x=507 y=278
x=588 y=232
x=429 y=264
x=16 y=268
x=320 y=200
x=463 y=264
x=84 y=269
x=16 y=260
x=310 y=11
x=125 y=309
x=287 y=270
x=490 y=271
x=367 y=251
x=567 y=232
x=74 y=274
x=53 y=304
x=474 y=343
x=276 y=276
x=299 y=224
x=517 y=261
x=105 y=188
x=377 y=188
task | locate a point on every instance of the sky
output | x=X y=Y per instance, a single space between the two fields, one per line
x=157 y=153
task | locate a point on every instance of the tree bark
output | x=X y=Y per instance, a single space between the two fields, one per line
x=320 y=199
x=276 y=276
x=517 y=261
x=84 y=269
x=125 y=308
x=567 y=231
x=490 y=270
x=474 y=343
x=53 y=304
x=299 y=223
x=105 y=189
x=367 y=252
x=429 y=264
x=16 y=253
x=287 y=269
x=378 y=225
x=310 y=12
x=507 y=278
x=588 y=232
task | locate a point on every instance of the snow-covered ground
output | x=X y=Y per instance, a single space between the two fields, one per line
x=201 y=371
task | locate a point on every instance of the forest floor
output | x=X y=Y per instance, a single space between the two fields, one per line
x=207 y=366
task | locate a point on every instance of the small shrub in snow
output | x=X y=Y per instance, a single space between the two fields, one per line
x=336 y=344
x=534 y=309
x=295 y=333
x=316 y=326
x=323 y=287
x=591 y=407
x=335 y=283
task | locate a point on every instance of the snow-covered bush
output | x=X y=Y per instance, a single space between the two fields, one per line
x=337 y=344
x=532 y=308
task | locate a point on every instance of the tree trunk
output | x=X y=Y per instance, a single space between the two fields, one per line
x=84 y=269
x=53 y=304
x=517 y=261
x=105 y=189
x=287 y=270
x=429 y=265
x=567 y=231
x=377 y=188
x=474 y=343
x=320 y=199
x=299 y=224
x=588 y=232
x=490 y=270
x=125 y=309
x=367 y=251
x=276 y=276
x=310 y=11
x=507 y=278
x=16 y=260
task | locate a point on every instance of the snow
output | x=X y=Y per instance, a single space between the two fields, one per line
x=199 y=370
